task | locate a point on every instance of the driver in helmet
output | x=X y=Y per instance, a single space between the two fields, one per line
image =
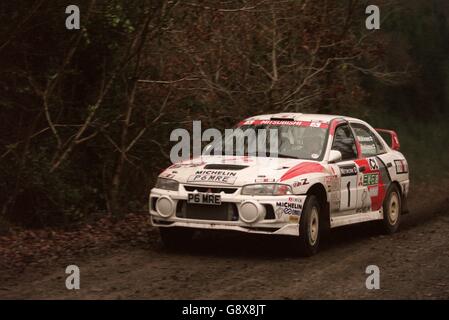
x=312 y=146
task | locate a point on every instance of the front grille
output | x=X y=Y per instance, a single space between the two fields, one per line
x=224 y=212
x=210 y=190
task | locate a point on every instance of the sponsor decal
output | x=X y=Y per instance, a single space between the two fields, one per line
x=348 y=170
x=292 y=206
x=279 y=212
x=373 y=191
x=301 y=182
x=290 y=211
x=401 y=166
x=332 y=183
x=368 y=148
x=360 y=182
x=365 y=139
x=218 y=176
x=366 y=203
x=373 y=164
x=370 y=179
x=315 y=124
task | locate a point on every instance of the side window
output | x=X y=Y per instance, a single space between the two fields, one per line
x=345 y=143
x=369 y=143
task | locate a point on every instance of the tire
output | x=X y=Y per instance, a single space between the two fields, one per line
x=175 y=238
x=392 y=207
x=310 y=227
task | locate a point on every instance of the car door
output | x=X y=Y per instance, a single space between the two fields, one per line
x=374 y=179
x=346 y=169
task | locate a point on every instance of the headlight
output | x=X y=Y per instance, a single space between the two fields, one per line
x=266 y=189
x=167 y=184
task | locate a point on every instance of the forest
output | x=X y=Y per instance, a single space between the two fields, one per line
x=86 y=114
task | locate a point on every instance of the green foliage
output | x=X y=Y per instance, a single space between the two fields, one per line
x=423 y=144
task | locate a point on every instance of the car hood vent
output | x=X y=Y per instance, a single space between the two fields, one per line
x=225 y=166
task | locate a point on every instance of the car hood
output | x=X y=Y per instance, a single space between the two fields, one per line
x=233 y=170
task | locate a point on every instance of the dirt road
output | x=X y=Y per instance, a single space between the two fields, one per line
x=413 y=264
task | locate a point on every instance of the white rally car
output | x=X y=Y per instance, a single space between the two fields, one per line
x=329 y=171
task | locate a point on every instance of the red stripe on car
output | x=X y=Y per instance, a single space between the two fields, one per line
x=302 y=168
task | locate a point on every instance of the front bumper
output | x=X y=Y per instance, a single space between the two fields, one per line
x=280 y=214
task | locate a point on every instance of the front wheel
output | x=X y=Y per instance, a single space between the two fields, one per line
x=392 y=211
x=310 y=227
x=175 y=238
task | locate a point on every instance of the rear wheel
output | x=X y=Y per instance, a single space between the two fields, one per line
x=310 y=227
x=392 y=210
x=174 y=238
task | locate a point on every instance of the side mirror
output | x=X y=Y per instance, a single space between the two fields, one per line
x=334 y=156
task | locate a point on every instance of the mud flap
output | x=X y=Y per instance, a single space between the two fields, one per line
x=404 y=204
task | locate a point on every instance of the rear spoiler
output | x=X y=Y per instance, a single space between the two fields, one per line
x=393 y=137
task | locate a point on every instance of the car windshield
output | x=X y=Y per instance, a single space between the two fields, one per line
x=282 y=139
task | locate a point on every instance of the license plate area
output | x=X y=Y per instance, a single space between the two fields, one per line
x=204 y=198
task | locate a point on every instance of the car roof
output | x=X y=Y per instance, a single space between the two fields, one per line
x=301 y=117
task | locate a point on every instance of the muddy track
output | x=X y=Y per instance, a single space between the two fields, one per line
x=413 y=264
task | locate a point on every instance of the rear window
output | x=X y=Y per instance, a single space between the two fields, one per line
x=369 y=143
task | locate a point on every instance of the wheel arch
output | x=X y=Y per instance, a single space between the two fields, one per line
x=319 y=191
x=404 y=205
x=398 y=185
